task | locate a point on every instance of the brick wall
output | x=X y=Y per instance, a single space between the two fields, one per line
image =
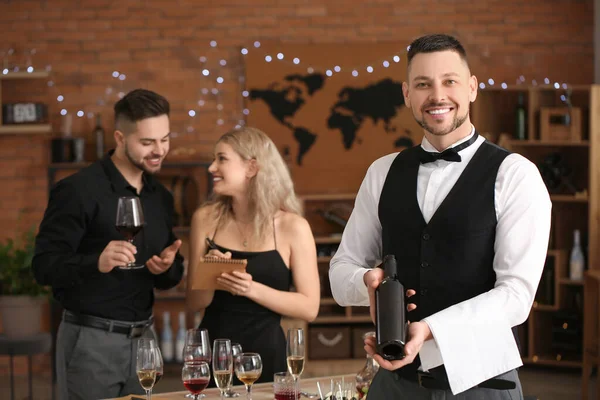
x=157 y=44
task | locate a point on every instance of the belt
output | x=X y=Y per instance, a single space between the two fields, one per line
x=426 y=380
x=131 y=329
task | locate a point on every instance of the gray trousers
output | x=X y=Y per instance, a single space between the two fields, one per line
x=95 y=364
x=388 y=385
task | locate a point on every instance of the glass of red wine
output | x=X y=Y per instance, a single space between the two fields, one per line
x=130 y=221
x=195 y=377
x=197 y=348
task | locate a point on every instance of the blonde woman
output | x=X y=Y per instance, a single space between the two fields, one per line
x=254 y=215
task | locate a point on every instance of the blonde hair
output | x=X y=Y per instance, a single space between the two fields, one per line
x=270 y=190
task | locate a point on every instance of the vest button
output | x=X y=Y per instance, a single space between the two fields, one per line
x=423 y=292
x=424 y=264
x=426 y=236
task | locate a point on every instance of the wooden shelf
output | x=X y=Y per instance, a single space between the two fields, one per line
x=26 y=129
x=324 y=259
x=181 y=230
x=328 y=301
x=570 y=282
x=342 y=319
x=328 y=239
x=540 y=143
x=169 y=295
x=567 y=198
x=25 y=75
x=552 y=362
x=327 y=197
x=544 y=307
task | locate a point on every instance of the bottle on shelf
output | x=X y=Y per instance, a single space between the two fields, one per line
x=576 y=260
x=99 y=137
x=390 y=313
x=166 y=338
x=366 y=374
x=520 y=116
x=180 y=339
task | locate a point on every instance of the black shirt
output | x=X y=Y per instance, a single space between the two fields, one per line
x=80 y=222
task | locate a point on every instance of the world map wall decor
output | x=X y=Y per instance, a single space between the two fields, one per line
x=334 y=108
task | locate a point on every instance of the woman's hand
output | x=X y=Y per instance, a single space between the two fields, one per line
x=218 y=254
x=237 y=283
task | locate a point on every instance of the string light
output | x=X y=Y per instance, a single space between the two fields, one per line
x=206 y=71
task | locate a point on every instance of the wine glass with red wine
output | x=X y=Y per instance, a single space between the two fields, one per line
x=195 y=376
x=130 y=221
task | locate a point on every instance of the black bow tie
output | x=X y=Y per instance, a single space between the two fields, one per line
x=450 y=154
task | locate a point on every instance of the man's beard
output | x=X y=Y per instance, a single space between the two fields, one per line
x=140 y=165
x=456 y=123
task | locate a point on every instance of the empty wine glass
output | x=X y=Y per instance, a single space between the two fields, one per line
x=222 y=363
x=248 y=367
x=146 y=364
x=236 y=350
x=197 y=346
x=130 y=221
x=295 y=354
x=195 y=377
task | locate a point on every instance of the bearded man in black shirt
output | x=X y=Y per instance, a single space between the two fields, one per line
x=79 y=253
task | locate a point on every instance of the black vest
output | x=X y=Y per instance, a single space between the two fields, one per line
x=450 y=259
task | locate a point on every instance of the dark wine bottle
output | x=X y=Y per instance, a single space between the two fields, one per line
x=390 y=313
x=520 y=115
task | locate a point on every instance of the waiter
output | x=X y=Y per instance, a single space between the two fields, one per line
x=468 y=223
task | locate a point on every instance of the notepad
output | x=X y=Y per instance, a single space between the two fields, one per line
x=210 y=268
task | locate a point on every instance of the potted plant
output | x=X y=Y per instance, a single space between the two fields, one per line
x=21 y=298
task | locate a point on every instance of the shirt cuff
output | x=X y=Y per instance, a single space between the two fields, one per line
x=473 y=352
x=430 y=354
x=361 y=293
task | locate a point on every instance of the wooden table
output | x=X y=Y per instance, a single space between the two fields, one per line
x=261 y=391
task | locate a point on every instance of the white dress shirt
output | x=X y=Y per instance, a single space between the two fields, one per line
x=473 y=339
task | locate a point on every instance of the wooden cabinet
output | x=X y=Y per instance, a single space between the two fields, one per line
x=21 y=128
x=566 y=151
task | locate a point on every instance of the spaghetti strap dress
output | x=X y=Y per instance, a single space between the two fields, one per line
x=243 y=321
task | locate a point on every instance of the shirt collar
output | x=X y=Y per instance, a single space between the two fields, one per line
x=117 y=179
x=427 y=146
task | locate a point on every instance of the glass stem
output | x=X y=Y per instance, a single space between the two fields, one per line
x=148 y=394
x=249 y=392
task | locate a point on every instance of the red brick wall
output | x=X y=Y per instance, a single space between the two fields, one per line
x=157 y=43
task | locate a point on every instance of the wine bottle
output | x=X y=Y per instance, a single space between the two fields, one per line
x=99 y=137
x=520 y=127
x=166 y=339
x=576 y=261
x=180 y=339
x=390 y=316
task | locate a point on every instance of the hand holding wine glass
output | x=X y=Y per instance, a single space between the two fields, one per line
x=130 y=221
x=146 y=364
x=248 y=367
x=195 y=377
x=222 y=362
x=295 y=354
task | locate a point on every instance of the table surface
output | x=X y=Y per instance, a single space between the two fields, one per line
x=261 y=391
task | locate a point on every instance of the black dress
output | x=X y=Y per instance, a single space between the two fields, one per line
x=256 y=328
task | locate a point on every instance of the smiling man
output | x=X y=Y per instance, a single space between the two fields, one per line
x=78 y=252
x=468 y=223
